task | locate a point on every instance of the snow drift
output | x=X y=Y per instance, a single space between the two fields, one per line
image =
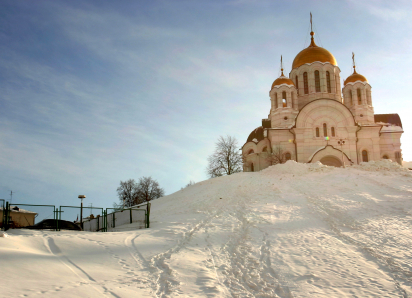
x=291 y=230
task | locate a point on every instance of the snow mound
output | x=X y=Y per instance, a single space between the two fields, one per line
x=296 y=168
x=381 y=165
x=407 y=164
x=3 y=234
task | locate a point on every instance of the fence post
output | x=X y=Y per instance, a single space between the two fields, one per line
x=105 y=220
x=131 y=219
x=148 y=214
x=6 y=226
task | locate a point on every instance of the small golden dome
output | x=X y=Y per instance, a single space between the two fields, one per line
x=313 y=53
x=355 y=77
x=282 y=80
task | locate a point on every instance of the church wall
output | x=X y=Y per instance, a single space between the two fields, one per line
x=334 y=71
x=369 y=140
x=284 y=139
x=390 y=143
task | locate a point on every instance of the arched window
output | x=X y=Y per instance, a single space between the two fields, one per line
x=288 y=156
x=252 y=168
x=317 y=81
x=293 y=100
x=368 y=97
x=317 y=132
x=328 y=82
x=265 y=149
x=359 y=97
x=305 y=83
x=365 y=156
x=276 y=101
x=350 y=97
x=385 y=157
x=251 y=151
x=284 y=98
x=297 y=83
x=398 y=157
x=325 y=130
x=332 y=131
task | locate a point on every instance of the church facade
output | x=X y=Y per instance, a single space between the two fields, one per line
x=313 y=118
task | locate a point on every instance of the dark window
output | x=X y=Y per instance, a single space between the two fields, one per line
x=328 y=82
x=288 y=156
x=284 y=98
x=368 y=97
x=398 y=157
x=385 y=157
x=332 y=131
x=252 y=168
x=350 y=97
x=365 y=156
x=250 y=151
x=265 y=149
x=305 y=83
x=359 y=97
x=276 y=100
x=325 y=130
x=317 y=81
x=297 y=84
x=293 y=99
x=317 y=132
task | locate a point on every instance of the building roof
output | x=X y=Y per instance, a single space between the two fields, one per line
x=354 y=78
x=313 y=53
x=256 y=135
x=12 y=209
x=388 y=118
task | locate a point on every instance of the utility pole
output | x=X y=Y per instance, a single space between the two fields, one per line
x=11 y=197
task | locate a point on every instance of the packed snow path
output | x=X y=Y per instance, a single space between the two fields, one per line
x=292 y=230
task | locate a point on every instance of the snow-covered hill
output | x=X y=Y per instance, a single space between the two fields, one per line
x=291 y=230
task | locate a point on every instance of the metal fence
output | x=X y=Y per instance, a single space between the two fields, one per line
x=112 y=221
x=137 y=217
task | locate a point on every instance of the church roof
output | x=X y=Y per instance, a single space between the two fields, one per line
x=354 y=78
x=282 y=80
x=388 y=118
x=313 y=53
x=256 y=135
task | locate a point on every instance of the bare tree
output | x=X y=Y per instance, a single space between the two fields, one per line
x=148 y=189
x=132 y=193
x=226 y=159
x=278 y=155
x=189 y=184
x=127 y=192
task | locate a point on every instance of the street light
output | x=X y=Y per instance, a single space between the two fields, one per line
x=81 y=197
x=341 y=143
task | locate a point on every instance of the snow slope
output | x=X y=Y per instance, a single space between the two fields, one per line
x=291 y=230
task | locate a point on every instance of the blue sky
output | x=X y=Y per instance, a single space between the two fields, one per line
x=94 y=92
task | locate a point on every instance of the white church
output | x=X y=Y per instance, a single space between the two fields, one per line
x=312 y=118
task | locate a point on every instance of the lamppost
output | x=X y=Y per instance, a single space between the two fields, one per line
x=341 y=143
x=81 y=197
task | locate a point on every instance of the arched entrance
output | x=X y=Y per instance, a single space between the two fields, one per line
x=331 y=160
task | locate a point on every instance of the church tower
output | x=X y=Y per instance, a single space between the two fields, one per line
x=357 y=96
x=315 y=74
x=284 y=103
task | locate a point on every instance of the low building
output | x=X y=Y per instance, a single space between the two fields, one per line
x=18 y=218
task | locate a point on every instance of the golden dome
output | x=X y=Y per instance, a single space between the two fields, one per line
x=282 y=80
x=355 y=77
x=313 y=53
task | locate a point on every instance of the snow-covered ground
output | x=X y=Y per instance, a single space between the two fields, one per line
x=292 y=230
